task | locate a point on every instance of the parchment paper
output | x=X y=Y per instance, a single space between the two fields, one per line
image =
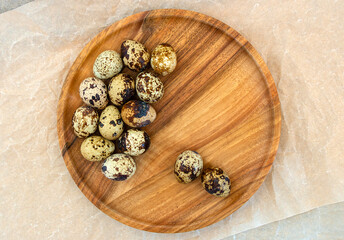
x=302 y=43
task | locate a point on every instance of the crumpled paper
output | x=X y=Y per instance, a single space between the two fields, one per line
x=302 y=45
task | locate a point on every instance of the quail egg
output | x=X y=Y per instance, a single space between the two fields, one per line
x=164 y=59
x=119 y=167
x=149 y=88
x=121 y=89
x=216 y=182
x=96 y=148
x=137 y=113
x=188 y=166
x=135 y=55
x=93 y=92
x=85 y=121
x=133 y=142
x=110 y=123
x=107 y=64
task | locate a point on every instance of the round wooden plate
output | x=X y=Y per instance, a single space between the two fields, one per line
x=220 y=101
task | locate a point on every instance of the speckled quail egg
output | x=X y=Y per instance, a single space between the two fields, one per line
x=137 y=113
x=110 y=123
x=93 y=92
x=188 y=166
x=133 y=142
x=96 y=148
x=135 y=55
x=119 y=167
x=85 y=121
x=216 y=182
x=149 y=88
x=164 y=59
x=107 y=64
x=121 y=89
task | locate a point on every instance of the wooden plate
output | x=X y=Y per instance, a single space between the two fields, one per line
x=220 y=101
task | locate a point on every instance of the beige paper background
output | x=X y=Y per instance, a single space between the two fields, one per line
x=302 y=44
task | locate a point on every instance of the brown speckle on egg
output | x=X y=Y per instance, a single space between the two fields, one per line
x=93 y=92
x=110 y=123
x=107 y=64
x=119 y=167
x=149 y=87
x=216 y=182
x=164 y=59
x=137 y=113
x=85 y=121
x=133 y=142
x=121 y=89
x=96 y=148
x=135 y=56
x=188 y=166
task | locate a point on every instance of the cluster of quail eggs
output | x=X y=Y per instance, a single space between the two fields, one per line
x=119 y=109
x=189 y=165
x=125 y=112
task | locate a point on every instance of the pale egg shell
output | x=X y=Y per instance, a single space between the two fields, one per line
x=110 y=123
x=119 y=167
x=85 y=121
x=133 y=142
x=107 y=64
x=121 y=89
x=188 y=166
x=149 y=87
x=135 y=56
x=137 y=113
x=93 y=92
x=216 y=182
x=96 y=148
x=164 y=59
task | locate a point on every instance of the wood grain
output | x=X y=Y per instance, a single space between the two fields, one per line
x=221 y=101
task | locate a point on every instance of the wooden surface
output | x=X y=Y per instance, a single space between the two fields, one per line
x=220 y=101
